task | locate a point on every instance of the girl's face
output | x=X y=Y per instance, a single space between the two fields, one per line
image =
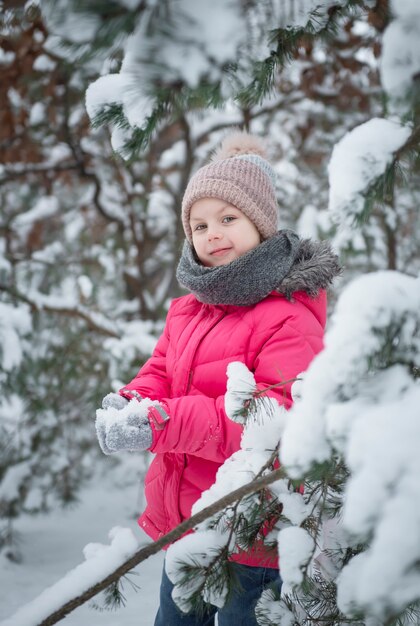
x=221 y=232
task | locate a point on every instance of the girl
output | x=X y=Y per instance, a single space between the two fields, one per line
x=257 y=296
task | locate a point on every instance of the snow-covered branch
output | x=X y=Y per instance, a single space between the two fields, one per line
x=54 y=304
x=87 y=580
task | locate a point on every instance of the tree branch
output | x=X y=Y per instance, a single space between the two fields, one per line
x=144 y=553
x=95 y=321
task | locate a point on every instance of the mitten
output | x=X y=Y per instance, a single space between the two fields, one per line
x=130 y=433
x=100 y=425
x=110 y=401
x=124 y=429
x=114 y=401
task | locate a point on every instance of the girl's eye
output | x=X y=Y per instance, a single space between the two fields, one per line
x=200 y=227
x=229 y=218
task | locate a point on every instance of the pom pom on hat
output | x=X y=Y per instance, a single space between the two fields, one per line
x=238 y=143
x=239 y=174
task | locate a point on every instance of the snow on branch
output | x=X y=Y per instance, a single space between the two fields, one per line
x=376 y=319
x=72 y=596
x=14 y=323
x=358 y=161
x=359 y=403
x=198 y=564
x=101 y=561
x=56 y=304
x=400 y=59
x=194 y=45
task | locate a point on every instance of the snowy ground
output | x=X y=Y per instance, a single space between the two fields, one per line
x=53 y=544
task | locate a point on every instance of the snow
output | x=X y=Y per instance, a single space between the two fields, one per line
x=240 y=389
x=6 y=58
x=44 y=207
x=308 y=223
x=160 y=213
x=297 y=16
x=66 y=300
x=294 y=506
x=59 y=152
x=295 y=550
x=67 y=24
x=367 y=306
x=371 y=420
x=85 y=285
x=44 y=63
x=37 y=114
x=273 y=611
x=9 y=487
x=357 y=160
x=101 y=560
x=382 y=496
x=260 y=437
x=173 y=156
x=106 y=90
x=206 y=37
x=400 y=59
x=136 y=339
x=198 y=549
x=195 y=45
x=53 y=544
x=15 y=322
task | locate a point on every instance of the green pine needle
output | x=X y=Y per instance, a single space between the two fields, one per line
x=113 y=597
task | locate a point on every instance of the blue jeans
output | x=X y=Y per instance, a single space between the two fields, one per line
x=238 y=610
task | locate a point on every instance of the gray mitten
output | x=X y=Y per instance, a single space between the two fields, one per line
x=110 y=401
x=114 y=401
x=131 y=433
x=124 y=429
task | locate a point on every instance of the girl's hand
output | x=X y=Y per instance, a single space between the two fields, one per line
x=127 y=428
x=114 y=401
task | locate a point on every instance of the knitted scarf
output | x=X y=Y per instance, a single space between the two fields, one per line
x=283 y=262
x=244 y=281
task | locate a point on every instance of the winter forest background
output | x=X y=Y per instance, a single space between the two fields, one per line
x=106 y=109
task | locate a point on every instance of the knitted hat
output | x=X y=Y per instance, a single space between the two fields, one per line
x=240 y=175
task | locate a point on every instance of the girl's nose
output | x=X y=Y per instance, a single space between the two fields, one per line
x=213 y=233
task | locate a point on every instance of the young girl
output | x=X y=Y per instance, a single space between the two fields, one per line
x=257 y=296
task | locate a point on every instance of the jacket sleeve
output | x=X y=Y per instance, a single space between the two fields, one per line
x=198 y=424
x=151 y=381
x=285 y=355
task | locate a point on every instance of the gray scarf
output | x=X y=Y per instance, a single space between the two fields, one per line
x=283 y=262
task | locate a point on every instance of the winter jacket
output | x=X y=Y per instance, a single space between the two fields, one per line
x=276 y=339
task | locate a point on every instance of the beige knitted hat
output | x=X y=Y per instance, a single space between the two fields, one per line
x=240 y=175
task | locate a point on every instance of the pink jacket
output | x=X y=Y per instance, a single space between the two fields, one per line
x=276 y=339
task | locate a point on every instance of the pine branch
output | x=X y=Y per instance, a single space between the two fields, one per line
x=288 y=41
x=115 y=23
x=144 y=553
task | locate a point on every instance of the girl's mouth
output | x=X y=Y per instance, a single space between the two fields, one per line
x=220 y=251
